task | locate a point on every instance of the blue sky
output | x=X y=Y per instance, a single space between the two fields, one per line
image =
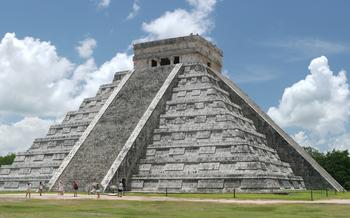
x=268 y=46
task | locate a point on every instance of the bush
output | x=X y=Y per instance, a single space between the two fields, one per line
x=8 y=159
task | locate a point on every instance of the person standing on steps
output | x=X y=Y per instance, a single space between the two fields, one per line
x=41 y=188
x=75 y=188
x=28 y=190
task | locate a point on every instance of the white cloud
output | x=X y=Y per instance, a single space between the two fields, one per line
x=181 y=22
x=135 y=10
x=86 y=47
x=36 y=82
x=20 y=135
x=104 y=3
x=302 y=138
x=319 y=103
x=29 y=67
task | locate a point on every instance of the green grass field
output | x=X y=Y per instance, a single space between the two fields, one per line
x=297 y=195
x=293 y=195
x=128 y=209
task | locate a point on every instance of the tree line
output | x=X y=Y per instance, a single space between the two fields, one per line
x=335 y=162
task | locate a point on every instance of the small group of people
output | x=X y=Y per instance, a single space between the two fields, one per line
x=96 y=189
x=29 y=189
x=75 y=188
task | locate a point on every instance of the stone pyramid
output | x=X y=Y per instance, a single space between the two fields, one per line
x=173 y=123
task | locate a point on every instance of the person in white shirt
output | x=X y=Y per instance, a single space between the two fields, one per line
x=41 y=188
x=28 y=190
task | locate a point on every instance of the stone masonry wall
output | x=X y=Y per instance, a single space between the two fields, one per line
x=300 y=167
x=95 y=156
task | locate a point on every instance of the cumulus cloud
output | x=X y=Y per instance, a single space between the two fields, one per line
x=37 y=82
x=302 y=138
x=86 y=47
x=135 y=10
x=15 y=137
x=319 y=103
x=181 y=22
x=104 y=3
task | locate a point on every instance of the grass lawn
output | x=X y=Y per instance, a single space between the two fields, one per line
x=128 y=209
x=293 y=195
x=297 y=195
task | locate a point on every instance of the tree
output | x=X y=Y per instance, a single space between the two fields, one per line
x=8 y=159
x=335 y=162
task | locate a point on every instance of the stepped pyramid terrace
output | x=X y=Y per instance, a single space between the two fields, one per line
x=173 y=123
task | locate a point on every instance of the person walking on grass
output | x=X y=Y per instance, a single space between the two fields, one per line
x=75 y=188
x=60 y=188
x=28 y=190
x=120 y=189
x=98 y=191
x=40 y=188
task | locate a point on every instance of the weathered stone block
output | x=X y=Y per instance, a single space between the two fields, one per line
x=207 y=150
x=137 y=184
x=178 y=136
x=150 y=152
x=181 y=94
x=210 y=183
x=200 y=119
x=145 y=167
x=174 y=167
x=209 y=166
x=170 y=184
x=203 y=134
x=11 y=185
x=196 y=92
x=176 y=151
x=5 y=171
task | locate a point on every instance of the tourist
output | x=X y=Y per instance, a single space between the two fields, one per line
x=98 y=190
x=28 y=190
x=40 y=188
x=60 y=188
x=75 y=188
x=120 y=189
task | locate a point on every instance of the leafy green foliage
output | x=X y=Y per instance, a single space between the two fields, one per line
x=336 y=162
x=8 y=159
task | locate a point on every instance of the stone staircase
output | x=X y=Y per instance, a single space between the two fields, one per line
x=97 y=152
x=41 y=160
x=205 y=144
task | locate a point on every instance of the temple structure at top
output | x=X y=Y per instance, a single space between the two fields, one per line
x=173 y=123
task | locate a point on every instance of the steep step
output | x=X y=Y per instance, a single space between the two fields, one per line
x=112 y=128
